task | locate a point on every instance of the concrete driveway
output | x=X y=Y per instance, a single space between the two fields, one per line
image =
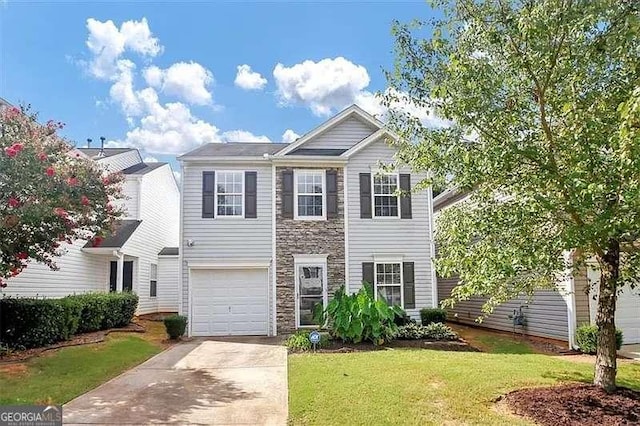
x=203 y=382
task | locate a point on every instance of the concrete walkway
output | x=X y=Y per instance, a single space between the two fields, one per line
x=204 y=382
x=630 y=351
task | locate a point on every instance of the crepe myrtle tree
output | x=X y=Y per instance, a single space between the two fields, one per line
x=543 y=99
x=49 y=193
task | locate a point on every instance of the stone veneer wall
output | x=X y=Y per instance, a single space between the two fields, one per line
x=306 y=237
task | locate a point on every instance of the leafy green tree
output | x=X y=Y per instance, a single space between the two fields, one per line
x=49 y=194
x=544 y=101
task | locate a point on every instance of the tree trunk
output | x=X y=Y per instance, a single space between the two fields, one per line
x=605 y=375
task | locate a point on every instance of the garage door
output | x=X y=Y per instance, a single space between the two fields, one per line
x=628 y=315
x=229 y=302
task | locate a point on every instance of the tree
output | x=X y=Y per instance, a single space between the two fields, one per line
x=49 y=193
x=544 y=102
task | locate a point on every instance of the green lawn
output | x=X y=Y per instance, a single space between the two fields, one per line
x=61 y=376
x=422 y=386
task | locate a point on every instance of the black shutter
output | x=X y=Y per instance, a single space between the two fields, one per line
x=365 y=195
x=251 y=195
x=367 y=273
x=405 y=199
x=332 y=194
x=208 y=194
x=409 y=285
x=287 y=194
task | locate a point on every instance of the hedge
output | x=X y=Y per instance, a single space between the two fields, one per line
x=587 y=338
x=32 y=322
x=431 y=315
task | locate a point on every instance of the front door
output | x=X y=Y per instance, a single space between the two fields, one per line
x=311 y=292
x=127 y=276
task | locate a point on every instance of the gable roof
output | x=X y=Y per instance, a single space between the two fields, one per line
x=352 y=111
x=235 y=149
x=142 y=168
x=108 y=152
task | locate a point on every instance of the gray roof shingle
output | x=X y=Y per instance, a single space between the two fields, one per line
x=142 y=168
x=169 y=251
x=123 y=230
x=108 y=152
x=236 y=149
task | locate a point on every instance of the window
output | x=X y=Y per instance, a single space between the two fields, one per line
x=389 y=283
x=153 y=280
x=385 y=200
x=229 y=193
x=310 y=194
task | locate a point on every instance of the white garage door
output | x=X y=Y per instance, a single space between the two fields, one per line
x=229 y=302
x=628 y=315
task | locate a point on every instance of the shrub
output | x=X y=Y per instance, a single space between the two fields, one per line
x=299 y=341
x=587 y=338
x=358 y=317
x=431 y=315
x=33 y=322
x=433 y=331
x=175 y=325
x=403 y=319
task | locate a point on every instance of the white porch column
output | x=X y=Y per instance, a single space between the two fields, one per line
x=120 y=272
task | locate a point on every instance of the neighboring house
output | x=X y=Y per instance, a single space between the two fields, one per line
x=134 y=257
x=269 y=230
x=551 y=313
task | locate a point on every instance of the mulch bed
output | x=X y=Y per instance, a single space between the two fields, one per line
x=337 y=346
x=77 y=340
x=576 y=405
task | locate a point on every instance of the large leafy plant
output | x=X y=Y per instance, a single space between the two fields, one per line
x=360 y=317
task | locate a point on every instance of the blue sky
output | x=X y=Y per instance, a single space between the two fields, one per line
x=164 y=77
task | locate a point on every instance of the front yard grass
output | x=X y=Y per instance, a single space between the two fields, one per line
x=59 y=376
x=423 y=386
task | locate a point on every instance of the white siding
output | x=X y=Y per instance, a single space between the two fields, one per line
x=168 y=283
x=546 y=314
x=78 y=273
x=159 y=212
x=118 y=162
x=223 y=238
x=410 y=238
x=342 y=136
x=131 y=192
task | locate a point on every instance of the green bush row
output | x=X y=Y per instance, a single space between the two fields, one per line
x=433 y=331
x=431 y=315
x=33 y=322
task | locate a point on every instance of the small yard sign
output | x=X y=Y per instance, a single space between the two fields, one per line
x=314 y=338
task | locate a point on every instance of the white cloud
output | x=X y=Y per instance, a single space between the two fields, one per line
x=243 y=136
x=188 y=81
x=150 y=159
x=248 y=79
x=324 y=86
x=289 y=136
x=107 y=43
x=122 y=91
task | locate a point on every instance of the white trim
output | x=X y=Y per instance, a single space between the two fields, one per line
x=215 y=194
x=388 y=261
x=183 y=170
x=374 y=137
x=190 y=296
x=231 y=264
x=373 y=195
x=298 y=172
x=274 y=265
x=329 y=124
x=310 y=261
x=432 y=244
x=345 y=209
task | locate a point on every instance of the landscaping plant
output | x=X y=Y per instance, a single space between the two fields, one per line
x=587 y=339
x=433 y=331
x=360 y=317
x=537 y=106
x=50 y=194
x=175 y=326
x=299 y=341
x=430 y=315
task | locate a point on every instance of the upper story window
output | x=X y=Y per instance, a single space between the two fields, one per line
x=309 y=194
x=385 y=200
x=229 y=193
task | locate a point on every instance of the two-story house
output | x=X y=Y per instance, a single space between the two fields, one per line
x=269 y=230
x=139 y=256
